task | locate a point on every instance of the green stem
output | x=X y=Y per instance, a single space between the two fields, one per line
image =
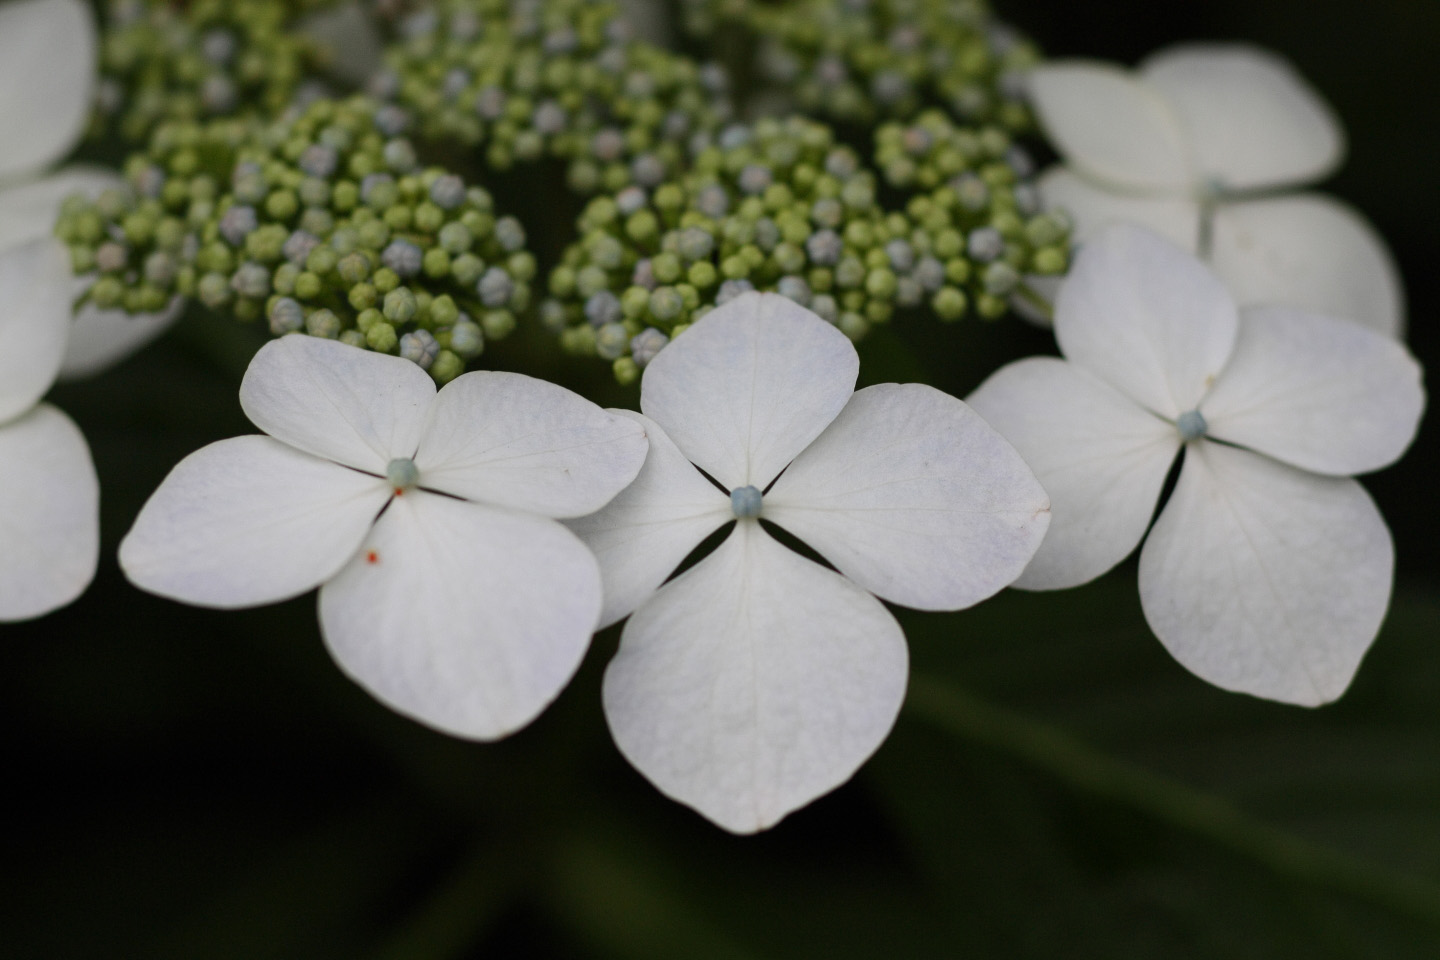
x=1214 y=818
x=457 y=913
x=1031 y=296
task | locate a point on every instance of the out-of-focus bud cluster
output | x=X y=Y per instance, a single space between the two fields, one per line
x=776 y=206
x=192 y=61
x=552 y=78
x=860 y=61
x=970 y=191
x=322 y=222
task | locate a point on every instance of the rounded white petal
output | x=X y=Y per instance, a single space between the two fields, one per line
x=528 y=444
x=1093 y=207
x=248 y=521
x=1318 y=393
x=353 y=47
x=641 y=536
x=1262 y=579
x=1101 y=459
x=49 y=514
x=30 y=210
x=1146 y=317
x=749 y=386
x=465 y=617
x=48 y=52
x=1111 y=126
x=1308 y=250
x=328 y=398
x=915 y=498
x=99 y=339
x=755 y=682
x=1251 y=120
x=35 y=285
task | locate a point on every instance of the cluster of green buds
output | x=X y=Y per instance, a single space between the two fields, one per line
x=322 y=222
x=970 y=191
x=192 y=61
x=552 y=78
x=860 y=61
x=777 y=206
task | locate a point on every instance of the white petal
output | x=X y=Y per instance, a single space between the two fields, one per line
x=1111 y=126
x=1101 y=459
x=248 y=521
x=915 y=498
x=749 y=386
x=29 y=211
x=518 y=442
x=349 y=38
x=49 y=514
x=1252 y=121
x=755 y=682
x=99 y=339
x=641 y=536
x=47 y=73
x=1093 y=207
x=1146 y=317
x=465 y=617
x=1321 y=394
x=1262 y=579
x=349 y=405
x=1308 y=250
x=35 y=286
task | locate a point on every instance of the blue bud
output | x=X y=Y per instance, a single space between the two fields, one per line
x=419 y=347
x=985 y=244
x=1192 y=425
x=746 y=502
x=237 y=224
x=603 y=308
x=645 y=344
x=404 y=257
x=318 y=160
x=495 y=287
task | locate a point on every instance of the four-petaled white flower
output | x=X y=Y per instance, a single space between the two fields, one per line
x=48 y=66
x=49 y=497
x=448 y=592
x=1269 y=570
x=1194 y=145
x=758 y=680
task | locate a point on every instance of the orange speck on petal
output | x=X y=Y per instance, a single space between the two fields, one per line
x=372 y=557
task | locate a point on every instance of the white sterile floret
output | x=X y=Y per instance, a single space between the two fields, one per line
x=758 y=680
x=49 y=496
x=1269 y=570
x=48 y=67
x=446 y=589
x=1195 y=144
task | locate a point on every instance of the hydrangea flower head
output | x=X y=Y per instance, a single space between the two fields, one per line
x=1197 y=144
x=49 y=496
x=47 y=79
x=447 y=590
x=1268 y=571
x=758 y=680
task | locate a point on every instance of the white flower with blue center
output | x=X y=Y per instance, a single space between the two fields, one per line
x=48 y=67
x=49 y=496
x=446 y=588
x=1198 y=144
x=758 y=680
x=1269 y=570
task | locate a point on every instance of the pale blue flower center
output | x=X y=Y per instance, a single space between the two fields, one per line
x=402 y=474
x=745 y=502
x=1191 y=425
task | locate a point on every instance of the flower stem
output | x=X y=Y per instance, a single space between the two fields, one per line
x=1084 y=768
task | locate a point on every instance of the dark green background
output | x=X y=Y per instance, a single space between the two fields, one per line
x=185 y=784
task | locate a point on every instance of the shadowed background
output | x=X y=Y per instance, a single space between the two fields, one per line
x=196 y=785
